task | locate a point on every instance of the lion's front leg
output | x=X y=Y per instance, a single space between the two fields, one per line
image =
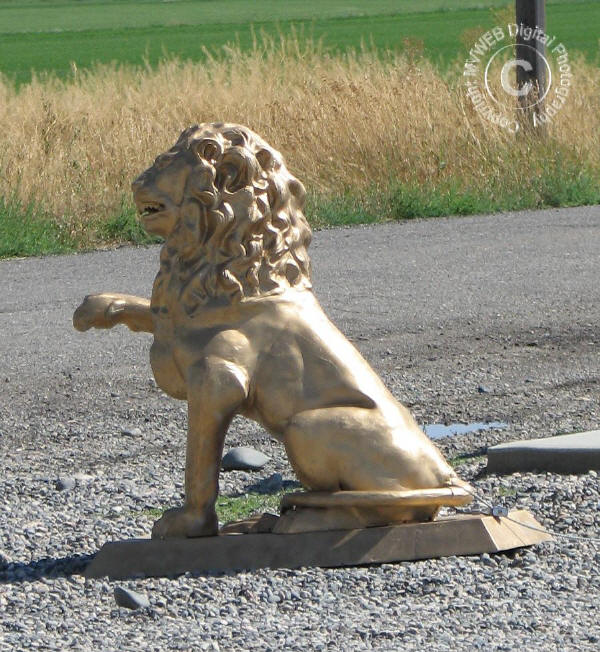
x=107 y=310
x=216 y=391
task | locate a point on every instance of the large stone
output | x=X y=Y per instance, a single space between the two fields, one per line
x=130 y=599
x=244 y=458
x=469 y=534
x=577 y=453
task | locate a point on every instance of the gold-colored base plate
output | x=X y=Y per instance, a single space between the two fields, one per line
x=469 y=534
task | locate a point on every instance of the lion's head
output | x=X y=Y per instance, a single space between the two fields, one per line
x=231 y=215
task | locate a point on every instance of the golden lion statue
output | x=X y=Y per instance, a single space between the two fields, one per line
x=238 y=330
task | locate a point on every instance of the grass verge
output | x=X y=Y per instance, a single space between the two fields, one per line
x=239 y=507
x=123 y=228
x=466 y=458
x=26 y=231
x=559 y=183
x=236 y=508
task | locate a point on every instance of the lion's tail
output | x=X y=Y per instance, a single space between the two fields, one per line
x=456 y=495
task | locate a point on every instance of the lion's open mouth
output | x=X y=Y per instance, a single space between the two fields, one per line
x=149 y=210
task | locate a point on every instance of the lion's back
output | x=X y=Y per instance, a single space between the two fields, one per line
x=307 y=363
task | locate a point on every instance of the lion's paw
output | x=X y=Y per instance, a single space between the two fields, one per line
x=97 y=311
x=181 y=522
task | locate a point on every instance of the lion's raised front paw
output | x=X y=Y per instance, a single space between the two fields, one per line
x=181 y=522
x=97 y=311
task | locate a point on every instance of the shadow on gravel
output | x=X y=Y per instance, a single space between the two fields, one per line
x=271 y=485
x=18 y=572
x=477 y=454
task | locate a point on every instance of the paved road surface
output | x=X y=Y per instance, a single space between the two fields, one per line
x=467 y=319
x=513 y=272
x=424 y=291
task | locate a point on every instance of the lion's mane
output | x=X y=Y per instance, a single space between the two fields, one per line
x=242 y=232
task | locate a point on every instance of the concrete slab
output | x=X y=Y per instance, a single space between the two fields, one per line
x=469 y=534
x=576 y=453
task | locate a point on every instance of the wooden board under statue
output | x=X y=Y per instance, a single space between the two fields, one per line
x=238 y=330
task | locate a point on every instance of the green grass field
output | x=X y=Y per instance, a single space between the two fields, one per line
x=47 y=36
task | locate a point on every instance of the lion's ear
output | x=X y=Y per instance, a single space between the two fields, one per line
x=208 y=148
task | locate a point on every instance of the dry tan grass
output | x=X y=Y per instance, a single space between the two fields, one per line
x=341 y=122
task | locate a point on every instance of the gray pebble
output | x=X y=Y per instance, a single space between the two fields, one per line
x=83 y=477
x=131 y=432
x=65 y=483
x=244 y=458
x=130 y=599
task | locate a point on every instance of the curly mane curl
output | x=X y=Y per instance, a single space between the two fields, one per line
x=242 y=232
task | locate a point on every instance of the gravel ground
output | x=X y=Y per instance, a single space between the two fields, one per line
x=441 y=308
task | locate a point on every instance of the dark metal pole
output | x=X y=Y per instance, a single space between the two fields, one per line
x=531 y=16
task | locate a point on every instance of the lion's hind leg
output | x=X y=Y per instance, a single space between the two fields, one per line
x=335 y=448
x=351 y=459
x=353 y=448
